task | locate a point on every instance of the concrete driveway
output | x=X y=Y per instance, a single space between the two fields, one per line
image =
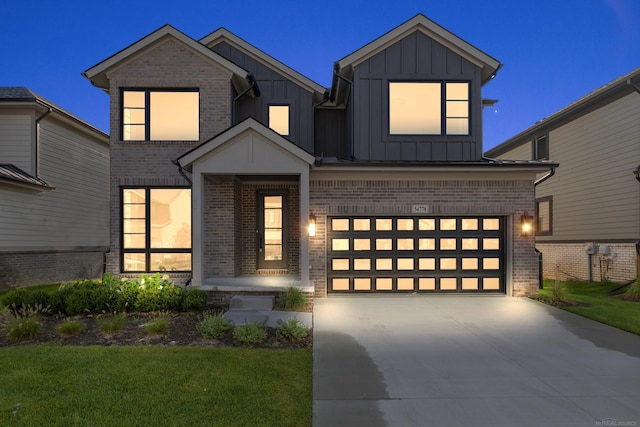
x=469 y=361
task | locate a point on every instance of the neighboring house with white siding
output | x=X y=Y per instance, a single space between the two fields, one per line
x=54 y=192
x=588 y=213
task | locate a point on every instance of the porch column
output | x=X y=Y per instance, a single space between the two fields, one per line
x=197 y=196
x=304 y=227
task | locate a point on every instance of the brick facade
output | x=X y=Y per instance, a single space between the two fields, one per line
x=169 y=64
x=509 y=198
x=570 y=261
x=46 y=267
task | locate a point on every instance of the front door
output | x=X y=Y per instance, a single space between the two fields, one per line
x=271 y=230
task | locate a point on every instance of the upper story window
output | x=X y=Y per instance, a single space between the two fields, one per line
x=160 y=115
x=541 y=148
x=429 y=108
x=279 y=119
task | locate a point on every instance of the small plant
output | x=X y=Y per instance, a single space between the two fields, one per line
x=291 y=330
x=249 y=333
x=70 y=327
x=633 y=292
x=158 y=326
x=292 y=299
x=557 y=292
x=112 y=323
x=214 y=326
x=194 y=300
x=21 y=323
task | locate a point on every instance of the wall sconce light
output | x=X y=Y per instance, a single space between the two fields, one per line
x=312 y=225
x=526 y=224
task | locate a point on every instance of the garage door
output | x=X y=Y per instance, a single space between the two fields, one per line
x=416 y=254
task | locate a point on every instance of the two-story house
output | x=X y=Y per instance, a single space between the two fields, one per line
x=54 y=194
x=230 y=169
x=588 y=214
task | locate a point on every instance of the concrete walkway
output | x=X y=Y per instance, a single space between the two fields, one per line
x=469 y=361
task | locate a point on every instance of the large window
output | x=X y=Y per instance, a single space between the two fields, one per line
x=156 y=229
x=544 y=211
x=429 y=108
x=160 y=115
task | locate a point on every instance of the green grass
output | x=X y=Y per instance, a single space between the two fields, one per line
x=598 y=304
x=159 y=386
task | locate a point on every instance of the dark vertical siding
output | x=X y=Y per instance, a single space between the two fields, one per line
x=274 y=87
x=416 y=57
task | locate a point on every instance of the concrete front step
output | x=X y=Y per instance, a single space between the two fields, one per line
x=252 y=302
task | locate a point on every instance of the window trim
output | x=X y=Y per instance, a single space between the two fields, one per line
x=147 y=112
x=534 y=147
x=148 y=250
x=443 y=136
x=548 y=232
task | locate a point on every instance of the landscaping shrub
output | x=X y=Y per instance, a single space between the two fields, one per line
x=249 y=333
x=158 y=326
x=112 y=323
x=214 y=326
x=25 y=297
x=194 y=300
x=70 y=327
x=291 y=330
x=21 y=323
x=90 y=296
x=292 y=299
x=157 y=293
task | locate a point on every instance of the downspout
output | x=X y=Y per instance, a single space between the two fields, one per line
x=181 y=170
x=37 y=138
x=350 y=83
x=253 y=85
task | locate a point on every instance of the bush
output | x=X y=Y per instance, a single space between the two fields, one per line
x=292 y=299
x=291 y=330
x=249 y=333
x=214 y=326
x=158 y=326
x=157 y=293
x=112 y=323
x=70 y=327
x=21 y=323
x=194 y=300
x=26 y=297
x=90 y=296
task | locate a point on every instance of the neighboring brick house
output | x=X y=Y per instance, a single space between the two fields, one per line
x=588 y=213
x=54 y=196
x=376 y=184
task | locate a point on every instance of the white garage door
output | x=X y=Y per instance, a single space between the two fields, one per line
x=416 y=254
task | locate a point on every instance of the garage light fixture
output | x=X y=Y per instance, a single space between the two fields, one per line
x=526 y=224
x=312 y=225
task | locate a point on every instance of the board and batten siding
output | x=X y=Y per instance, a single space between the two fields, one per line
x=416 y=57
x=16 y=139
x=274 y=89
x=74 y=215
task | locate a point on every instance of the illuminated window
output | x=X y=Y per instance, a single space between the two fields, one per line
x=279 y=119
x=154 y=115
x=544 y=208
x=429 y=108
x=156 y=229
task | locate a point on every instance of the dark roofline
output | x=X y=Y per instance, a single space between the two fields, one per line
x=604 y=95
x=485 y=163
x=14 y=175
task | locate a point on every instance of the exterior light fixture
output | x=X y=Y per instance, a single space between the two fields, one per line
x=312 y=225
x=526 y=224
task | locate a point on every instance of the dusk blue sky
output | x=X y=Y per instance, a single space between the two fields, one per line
x=553 y=51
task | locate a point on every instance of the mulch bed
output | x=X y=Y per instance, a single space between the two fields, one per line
x=182 y=331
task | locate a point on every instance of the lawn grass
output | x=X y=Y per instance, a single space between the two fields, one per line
x=152 y=385
x=598 y=303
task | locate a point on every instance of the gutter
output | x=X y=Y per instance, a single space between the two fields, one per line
x=542 y=179
x=630 y=83
x=181 y=170
x=37 y=138
x=336 y=68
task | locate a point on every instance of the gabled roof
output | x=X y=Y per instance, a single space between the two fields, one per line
x=186 y=160
x=98 y=73
x=605 y=94
x=11 y=96
x=224 y=35
x=14 y=175
x=487 y=63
